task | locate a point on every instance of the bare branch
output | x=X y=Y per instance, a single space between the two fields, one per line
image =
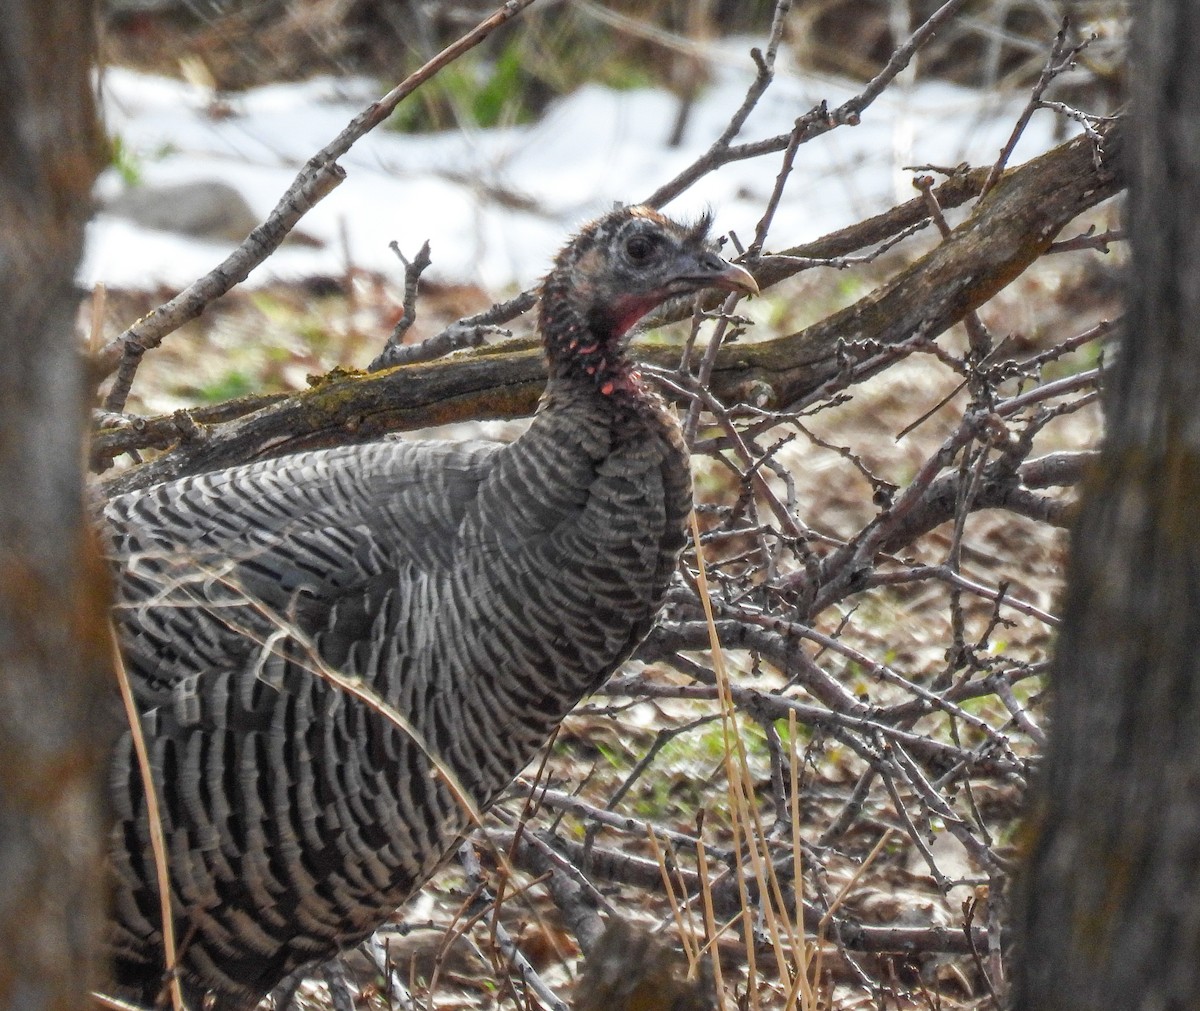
x=412 y=277
x=1062 y=58
x=812 y=124
x=980 y=257
x=468 y=332
x=320 y=175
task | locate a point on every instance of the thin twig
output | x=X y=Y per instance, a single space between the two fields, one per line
x=817 y=121
x=468 y=332
x=413 y=269
x=1062 y=57
x=506 y=944
x=765 y=64
x=781 y=178
x=977 y=333
x=1091 y=239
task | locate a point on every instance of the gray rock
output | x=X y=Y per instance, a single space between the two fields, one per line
x=203 y=209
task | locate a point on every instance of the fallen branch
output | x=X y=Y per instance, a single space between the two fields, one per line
x=618 y=865
x=1006 y=233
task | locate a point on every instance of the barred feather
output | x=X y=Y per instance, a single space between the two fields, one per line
x=479 y=589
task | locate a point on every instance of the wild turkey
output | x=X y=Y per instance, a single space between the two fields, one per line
x=480 y=589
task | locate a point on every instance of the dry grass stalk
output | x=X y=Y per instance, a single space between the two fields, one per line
x=154 y=817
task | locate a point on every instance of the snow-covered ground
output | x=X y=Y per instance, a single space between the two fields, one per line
x=457 y=189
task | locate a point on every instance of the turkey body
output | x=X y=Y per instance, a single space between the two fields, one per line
x=479 y=590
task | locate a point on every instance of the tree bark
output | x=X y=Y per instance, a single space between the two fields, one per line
x=53 y=629
x=1109 y=908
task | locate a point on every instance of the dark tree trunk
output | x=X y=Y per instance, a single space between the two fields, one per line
x=1110 y=903
x=53 y=652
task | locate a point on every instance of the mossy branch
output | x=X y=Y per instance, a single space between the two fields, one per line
x=1009 y=229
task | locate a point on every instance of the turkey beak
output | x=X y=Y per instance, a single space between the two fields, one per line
x=714 y=272
x=736 y=278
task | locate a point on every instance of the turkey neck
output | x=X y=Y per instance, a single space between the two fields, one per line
x=597 y=407
x=584 y=342
x=569 y=548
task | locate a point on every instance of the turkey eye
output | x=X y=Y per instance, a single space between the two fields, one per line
x=639 y=248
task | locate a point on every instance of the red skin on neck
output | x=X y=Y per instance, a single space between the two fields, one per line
x=599 y=353
x=629 y=309
x=626 y=312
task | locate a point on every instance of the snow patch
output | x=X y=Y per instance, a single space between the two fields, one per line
x=495 y=204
